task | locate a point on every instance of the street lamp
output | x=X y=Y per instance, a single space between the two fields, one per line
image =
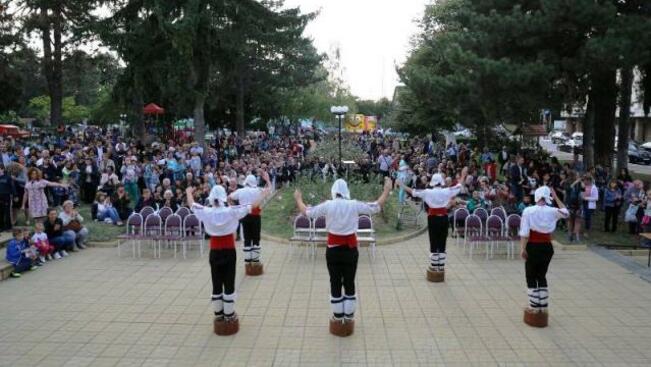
x=340 y=112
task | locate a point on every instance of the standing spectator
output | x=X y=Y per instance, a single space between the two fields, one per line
x=384 y=162
x=35 y=194
x=89 y=176
x=612 y=203
x=7 y=191
x=517 y=178
x=573 y=189
x=73 y=224
x=130 y=173
x=634 y=197
x=590 y=197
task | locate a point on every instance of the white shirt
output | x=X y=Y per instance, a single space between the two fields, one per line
x=438 y=197
x=342 y=215
x=220 y=221
x=592 y=199
x=39 y=237
x=541 y=218
x=246 y=195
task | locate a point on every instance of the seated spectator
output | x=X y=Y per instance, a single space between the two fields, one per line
x=145 y=200
x=121 y=203
x=19 y=254
x=525 y=203
x=475 y=202
x=106 y=211
x=40 y=241
x=62 y=242
x=169 y=200
x=73 y=224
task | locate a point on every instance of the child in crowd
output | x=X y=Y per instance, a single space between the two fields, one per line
x=525 y=203
x=106 y=211
x=475 y=202
x=20 y=254
x=40 y=241
x=145 y=200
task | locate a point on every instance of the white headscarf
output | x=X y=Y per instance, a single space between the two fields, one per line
x=340 y=187
x=437 y=180
x=217 y=193
x=251 y=181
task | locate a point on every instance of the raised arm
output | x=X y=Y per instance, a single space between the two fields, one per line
x=189 y=196
x=298 y=196
x=387 y=189
x=408 y=189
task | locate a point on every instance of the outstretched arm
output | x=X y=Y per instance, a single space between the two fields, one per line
x=408 y=189
x=189 y=195
x=265 y=193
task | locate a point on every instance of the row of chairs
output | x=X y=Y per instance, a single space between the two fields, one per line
x=491 y=232
x=173 y=230
x=312 y=232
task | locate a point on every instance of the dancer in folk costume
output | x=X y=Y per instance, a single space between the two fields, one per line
x=536 y=228
x=220 y=222
x=342 y=216
x=437 y=199
x=252 y=222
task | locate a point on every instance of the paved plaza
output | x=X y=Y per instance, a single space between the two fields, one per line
x=95 y=309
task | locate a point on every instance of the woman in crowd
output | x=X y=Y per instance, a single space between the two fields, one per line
x=73 y=224
x=35 y=194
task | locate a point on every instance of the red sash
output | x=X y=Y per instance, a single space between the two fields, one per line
x=338 y=240
x=537 y=237
x=222 y=242
x=437 y=212
x=256 y=211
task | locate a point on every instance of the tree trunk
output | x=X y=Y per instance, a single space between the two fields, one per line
x=604 y=84
x=624 y=118
x=588 y=134
x=47 y=54
x=239 y=107
x=199 y=119
x=56 y=91
x=139 y=130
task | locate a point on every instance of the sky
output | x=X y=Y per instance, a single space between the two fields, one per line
x=373 y=36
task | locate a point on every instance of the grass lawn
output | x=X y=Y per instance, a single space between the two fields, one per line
x=597 y=236
x=98 y=231
x=279 y=213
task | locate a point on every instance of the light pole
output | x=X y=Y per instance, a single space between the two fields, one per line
x=340 y=112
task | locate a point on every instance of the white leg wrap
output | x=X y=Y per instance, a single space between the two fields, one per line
x=229 y=304
x=442 y=257
x=533 y=298
x=217 y=304
x=434 y=260
x=543 y=297
x=350 y=305
x=247 y=253
x=337 y=305
x=255 y=253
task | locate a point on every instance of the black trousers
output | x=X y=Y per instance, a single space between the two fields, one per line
x=251 y=226
x=5 y=212
x=610 y=224
x=539 y=255
x=342 y=266
x=437 y=227
x=222 y=269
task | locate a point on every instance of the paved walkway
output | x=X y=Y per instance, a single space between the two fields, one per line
x=94 y=309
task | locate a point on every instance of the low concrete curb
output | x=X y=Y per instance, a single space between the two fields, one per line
x=559 y=246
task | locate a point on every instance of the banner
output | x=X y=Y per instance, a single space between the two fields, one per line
x=360 y=123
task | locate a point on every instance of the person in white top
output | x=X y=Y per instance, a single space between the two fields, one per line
x=590 y=197
x=221 y=222
x=252 y=223
x=437 y=199
x=342 y=216
x=536 y=227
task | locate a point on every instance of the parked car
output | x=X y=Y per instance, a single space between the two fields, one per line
x=638 y=155
x=573 y=143
x=559 y=137
x=646 y=146
x=13 y=131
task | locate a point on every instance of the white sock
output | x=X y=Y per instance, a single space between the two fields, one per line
x=229 y=305
x=337 y=305
x=247 y=254
x=218 y=304
x=350 y=305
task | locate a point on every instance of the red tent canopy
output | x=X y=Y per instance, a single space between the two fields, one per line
x=153 y=109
